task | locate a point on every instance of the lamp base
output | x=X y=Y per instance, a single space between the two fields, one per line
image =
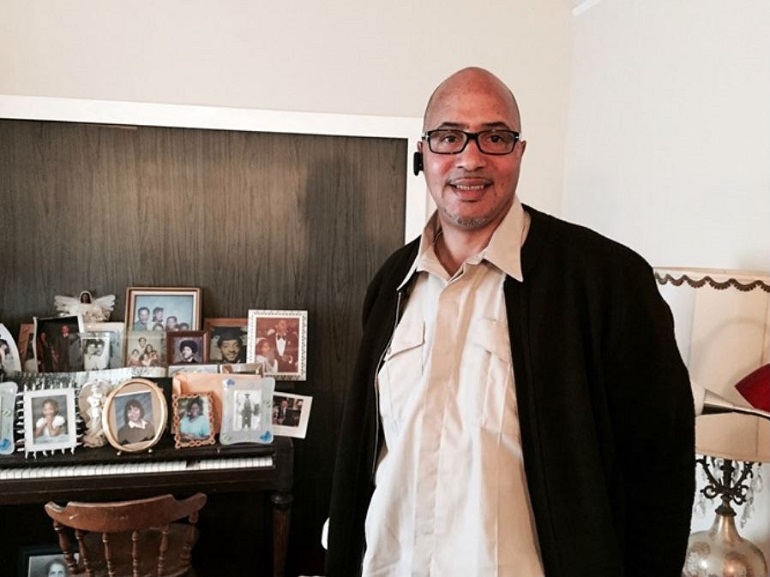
x=722 y=552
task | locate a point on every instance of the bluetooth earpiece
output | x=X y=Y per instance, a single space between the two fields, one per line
x=417 y=163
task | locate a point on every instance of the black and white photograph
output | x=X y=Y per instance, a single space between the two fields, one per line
x=43 y=561
x=96 y=351
x=247 y=415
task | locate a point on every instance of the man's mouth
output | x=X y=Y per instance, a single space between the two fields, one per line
x=469 y=189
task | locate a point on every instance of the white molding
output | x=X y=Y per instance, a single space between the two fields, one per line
x=220 y=118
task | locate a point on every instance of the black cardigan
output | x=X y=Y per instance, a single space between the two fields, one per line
x=604 y=400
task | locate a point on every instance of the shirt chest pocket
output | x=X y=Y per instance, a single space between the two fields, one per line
x=487 y=384
x=401 y=371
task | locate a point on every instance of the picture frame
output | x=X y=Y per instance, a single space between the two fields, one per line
x=49 y=419
x=291 y=414
x=285 y=360
x=96 y=348
x=8 y=390
x=226 y=339
x=117 y=332
x=163 y=308
x=10 y=361
x=27 y=347
x=183 y=383
x=193 y=424
x=34 y=560
x=207 y=368
x=145 y=349
x=247 y=411
x=135 y=415
x=186 y=347
x=57 y=344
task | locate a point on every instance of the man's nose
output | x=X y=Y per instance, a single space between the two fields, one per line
x=471 y=158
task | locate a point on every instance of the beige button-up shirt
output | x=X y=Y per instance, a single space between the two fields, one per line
x=451 y=493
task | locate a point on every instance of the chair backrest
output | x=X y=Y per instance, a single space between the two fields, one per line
x=139 y=538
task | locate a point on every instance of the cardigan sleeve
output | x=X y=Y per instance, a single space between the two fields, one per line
x=654 y=423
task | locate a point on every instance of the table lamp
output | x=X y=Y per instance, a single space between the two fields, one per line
x=722 y=321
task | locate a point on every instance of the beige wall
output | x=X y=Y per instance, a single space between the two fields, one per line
x=337 y=56
x=669 y=141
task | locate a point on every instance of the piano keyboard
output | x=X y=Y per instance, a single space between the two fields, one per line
x=137 y=468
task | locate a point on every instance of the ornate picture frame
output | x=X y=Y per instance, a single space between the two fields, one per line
x=248 y=401
x=283 y=359
x=135 y=415
x=49 y=420
x=193 y=424
x=163 y=308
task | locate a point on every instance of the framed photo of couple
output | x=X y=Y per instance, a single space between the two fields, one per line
x=278 y=341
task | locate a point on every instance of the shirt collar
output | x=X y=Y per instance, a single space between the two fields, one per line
x=503 y=250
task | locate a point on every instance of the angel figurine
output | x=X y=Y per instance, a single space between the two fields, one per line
x=92 y=310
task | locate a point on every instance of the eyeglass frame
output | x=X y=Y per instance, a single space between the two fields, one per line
x=472 y=136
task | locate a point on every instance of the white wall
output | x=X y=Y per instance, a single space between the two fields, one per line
x=338 y=56
x=669 y=141
x=669 y=129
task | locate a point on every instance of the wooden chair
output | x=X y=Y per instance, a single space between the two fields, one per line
x=140 y=538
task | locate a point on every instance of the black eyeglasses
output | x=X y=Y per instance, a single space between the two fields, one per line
x=452 y=141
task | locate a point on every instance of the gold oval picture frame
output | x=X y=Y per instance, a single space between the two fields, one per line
x=135 y=415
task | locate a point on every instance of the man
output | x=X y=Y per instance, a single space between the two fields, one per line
x=285 y=346
x=230 y=345
x=530 y=414
x=142 y=319
x=246 y=412
x=188 y=348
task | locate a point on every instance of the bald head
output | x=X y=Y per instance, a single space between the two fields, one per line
x=469 y=81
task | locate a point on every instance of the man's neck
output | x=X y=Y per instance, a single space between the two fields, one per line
x=453 y=247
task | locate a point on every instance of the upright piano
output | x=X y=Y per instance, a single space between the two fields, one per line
x=103 y=474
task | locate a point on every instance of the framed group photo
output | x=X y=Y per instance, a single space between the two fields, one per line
x=145 y=349
x=134 y=415
x=163 y=308
x=278 y=340
x=226 y=339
